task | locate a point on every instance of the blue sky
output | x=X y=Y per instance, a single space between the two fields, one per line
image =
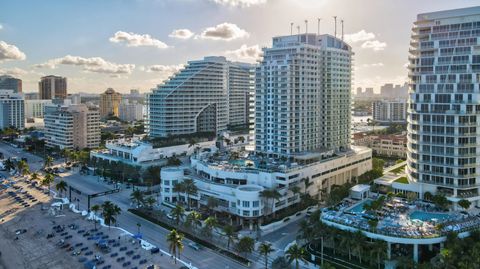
x=107 y=44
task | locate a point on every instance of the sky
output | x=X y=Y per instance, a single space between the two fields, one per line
x=137 y=44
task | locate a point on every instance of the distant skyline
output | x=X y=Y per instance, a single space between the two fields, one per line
x=137 y=44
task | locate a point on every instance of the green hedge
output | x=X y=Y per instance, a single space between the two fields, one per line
x=202 y=242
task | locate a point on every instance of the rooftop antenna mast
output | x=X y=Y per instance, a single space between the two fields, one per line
x=342 y=28
x=335 y=19
x=306 y=26
x=291 y=28
x=318 y=27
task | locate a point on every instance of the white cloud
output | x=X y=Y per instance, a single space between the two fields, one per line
x=224 y=31
x=373 y=65
x=10 y=52
x=181 y=34
x=163 y=68
x=247 y=53
x=240 y=3
x=367 y=39
x=360 y=36
x=16 y=72
x=1 y=27
x=93 y=64
x=374 y=44
x=137 y=40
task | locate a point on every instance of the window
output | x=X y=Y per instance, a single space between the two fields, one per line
x=246 y=213
x=256 y=203
x=255 y=213
x=246 y=203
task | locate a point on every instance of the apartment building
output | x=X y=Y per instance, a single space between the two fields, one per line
x=10 y=83
x=208 y=95
x=110 y=103
x=72 y=126
x=52 y=87
x=389 y=111
x=12 y=109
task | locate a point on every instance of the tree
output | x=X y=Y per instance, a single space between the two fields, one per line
x=265 y=249
x=173 y=161
x=230 y=234
x=9 y=165
x=177 y=213
x=109 y=212
x=61 y=187
x=179 y=188
x=189 y=188
x=95 y=209
x=193 y=219
x=48 y=180
x=210 y=223
x=23 y=168
x=464 y=203
x=150 y=201
x=270 y=195
x=295 y=253
x=152 y=175
x=175 y=244
x=377 y=250
x=34 y=176
x=245 y=245
x=48 y=162
x=295 y=190
x=137 y=197
x=212 y=204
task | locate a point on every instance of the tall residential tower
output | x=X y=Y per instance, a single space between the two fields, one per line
x=444 y=104
x=303 y=93
x=206 y=96
x=51 y=87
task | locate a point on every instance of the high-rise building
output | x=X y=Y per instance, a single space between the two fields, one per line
x=207 y=95
x=390 y=91
x=389 y=111
x=30 y=95
x=10 y=83
x=443 y=114
x=52 y=87
x=12 y=109
x=303 y=91
x=131 y=110
x=109 y=103
x=72 y=126
x=36 y=108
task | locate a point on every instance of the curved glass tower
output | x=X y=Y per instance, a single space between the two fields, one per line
x=444 y=104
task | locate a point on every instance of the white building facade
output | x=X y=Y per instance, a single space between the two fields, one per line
x=201 y=98
x=36 y=108
x=131 y=110
x=12 y=109
x=443 y=114
x=303 y=92
x=389 y=111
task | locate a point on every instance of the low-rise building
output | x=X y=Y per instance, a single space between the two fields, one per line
x=236 y=180
x=136 y=152
x=385 y=145
x=12 y=109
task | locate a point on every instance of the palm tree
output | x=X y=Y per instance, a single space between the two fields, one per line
x=23 y=167
x=95 y=209
x=358 y=245
x=377 y=250
x=48 y=162
x=175 y=243
x=246 y=245
x=61 y=187
x=189 y=188
x=9 y=165
x=295 y=253
x=270 y=195
x=230 y=234
x=265 y=249
x=150 y=201
x=212 y=204
x=34 y=176
x=210 y=223
x=137 y=197
x=193 y=219
x=109 y=212
x=346 y=242
x=321 y=231
x=48 y=180
x=177 y=213
x=179 y=188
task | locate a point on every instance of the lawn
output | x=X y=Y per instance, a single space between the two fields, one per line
x=398 y=170
x=402 y=180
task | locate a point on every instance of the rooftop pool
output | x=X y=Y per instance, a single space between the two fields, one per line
x=427 y=216
x=358 y=208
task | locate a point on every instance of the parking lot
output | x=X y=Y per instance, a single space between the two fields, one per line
x=36 y=235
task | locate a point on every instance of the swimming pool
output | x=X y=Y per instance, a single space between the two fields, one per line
x=421 y=215
x=359 y=207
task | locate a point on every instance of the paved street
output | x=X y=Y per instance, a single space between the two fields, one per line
x=155 y=234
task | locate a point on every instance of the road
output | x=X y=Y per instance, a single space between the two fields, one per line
x=202 y=259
